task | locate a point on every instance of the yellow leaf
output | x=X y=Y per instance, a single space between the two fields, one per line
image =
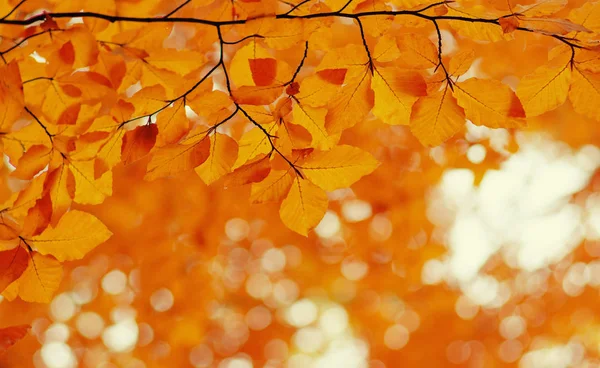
x=313 y=119
x=386 y=49
x=240 y=71
x=337 y=168
x=72 y=238
x=540 y=7
x=172 y=124
x=350 y=105
x=490 y=103
x=11 y=95
x=254 y=143
x=88 y=189
x=396 y=90
x=545 y=89
x=588 y=15
x=40 y=280
x=315 y=91
x=273 y=188
x=436 y=118
x=476 y=30
x=181 y=62
x=585 y=93
x=175 y=158
x=461 y=62
x=148 y=100
x=417 y=51
x=223 y=153
x=551 y=26
x=351 y=57
x=304 y=206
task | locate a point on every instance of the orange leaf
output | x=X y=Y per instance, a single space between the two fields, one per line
x=12 y=264
x=304 y=206
x=11 y=335
x=74 y=236
x=138 y=142
x=11 y=95
x=436 y=118
x=335 y=76
x=509 y=24
x=263 y=71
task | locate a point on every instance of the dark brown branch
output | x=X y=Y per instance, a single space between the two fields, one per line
x=299 y=65
x=13 y=9
x=242 y=39
x=440 y=62
x=40 y=124
x=27 y=38
x=294 y=7
x=177 y=8
x=364 y=41
x=287 y=15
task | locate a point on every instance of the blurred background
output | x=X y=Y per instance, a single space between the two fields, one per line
x=479 y=253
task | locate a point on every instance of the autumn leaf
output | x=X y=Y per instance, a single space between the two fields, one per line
x=138 y=142
x=585 y=93
x=273 y=188
x=303 y=207
x=223 y=154
x=179 y=157
x=489 y=103
x=73 y=237
x=436 y=118
x=338 y=168
x=395 y=92
x=545 y=89
x=313 y=119
x=12 y=264
x=11 y=95
x=39 y=281
x=263 y=71
x=11 y=335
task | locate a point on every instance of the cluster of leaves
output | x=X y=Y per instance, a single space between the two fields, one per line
x=255 y=93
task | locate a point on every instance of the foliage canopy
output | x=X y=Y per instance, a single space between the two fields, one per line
x=280 y=97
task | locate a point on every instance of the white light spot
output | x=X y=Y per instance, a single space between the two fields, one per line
x=236 y=363
x=285 y=292
x=433 y=272
x=465 y=309
x=334 y=321
x=354 y=270
x=458 y=352
x=237 y=229
x=201 y=356
x=258 y=318
x=276 y=349
x=308 y=339
x=380 y=228
x=89 y=325
x=273 y=260
x=114 y=282
x=301 y=313
x=162 y=300
x=356 y=210
x=396 y=337
x=329 y=225
x=476 y=153
x=510 y=350
x=512 y=327
x=58 y=355
x=57 y=332
x=62 y=307
x=258 y=286
x=121 y=337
